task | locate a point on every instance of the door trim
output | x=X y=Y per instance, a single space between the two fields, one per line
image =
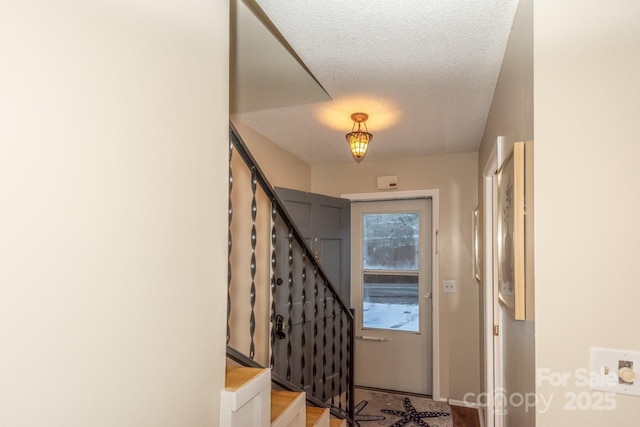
x=434 y=195
x=492 y=347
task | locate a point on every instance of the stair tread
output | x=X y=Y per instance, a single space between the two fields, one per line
x=281 y=400
x=314 y=414
x=337 y=422
x=236 y=377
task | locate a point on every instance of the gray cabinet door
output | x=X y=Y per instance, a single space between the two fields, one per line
x=302 y=300
x=324 y=223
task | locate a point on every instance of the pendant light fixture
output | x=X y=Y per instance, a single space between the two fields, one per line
x=358 y=139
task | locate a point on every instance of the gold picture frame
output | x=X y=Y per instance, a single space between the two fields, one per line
x=510 y=233
x=476 y=244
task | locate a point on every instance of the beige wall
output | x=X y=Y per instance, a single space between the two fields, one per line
x=587 y=106
x=113 y=179
x=511 y=116
x=281 y=168
x=455 y=176
x=241 y=261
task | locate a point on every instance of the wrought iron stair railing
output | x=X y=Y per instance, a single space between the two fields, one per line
x=282 y=310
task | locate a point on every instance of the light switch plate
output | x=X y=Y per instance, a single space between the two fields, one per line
x=606 y=365
x=449 y=287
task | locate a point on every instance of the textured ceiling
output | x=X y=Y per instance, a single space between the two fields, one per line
x=424 y=71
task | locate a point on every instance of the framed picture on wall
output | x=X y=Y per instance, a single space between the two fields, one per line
x=510 y=233
x=476 y=244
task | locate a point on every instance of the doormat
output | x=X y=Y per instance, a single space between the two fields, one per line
x=381 y=408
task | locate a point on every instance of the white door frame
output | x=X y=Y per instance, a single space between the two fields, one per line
x=434 y=195
x=492 y=318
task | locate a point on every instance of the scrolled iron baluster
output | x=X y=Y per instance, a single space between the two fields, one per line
x=303 y=338
x=290 y=306
x=252 y=293
x=350 y=364
x=324 y=342
x=230 y=241
x=314 y=367
x=274 y=211
x=341 y=379
x=333 y=350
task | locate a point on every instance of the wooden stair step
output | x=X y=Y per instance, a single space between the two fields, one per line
x=317 y=417
x=337 y=422
x=287 y=408
x=246 y=397
x=236 y=377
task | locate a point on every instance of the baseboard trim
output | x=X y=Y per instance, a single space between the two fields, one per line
x=481 y=413
x=455 y=402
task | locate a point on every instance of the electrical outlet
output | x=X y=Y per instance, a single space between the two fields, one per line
x=615 y=371
x=449 y=287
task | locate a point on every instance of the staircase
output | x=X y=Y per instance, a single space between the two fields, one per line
x=289 y=332
x=249 y=400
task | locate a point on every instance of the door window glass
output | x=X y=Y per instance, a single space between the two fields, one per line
x=391 y=241
x=391 y=271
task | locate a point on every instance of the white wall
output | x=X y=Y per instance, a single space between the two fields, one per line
x=511 y=116
x=113 y=179
x=587 y=106
x=455 y=175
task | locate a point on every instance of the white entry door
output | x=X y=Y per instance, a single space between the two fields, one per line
x=391 y=291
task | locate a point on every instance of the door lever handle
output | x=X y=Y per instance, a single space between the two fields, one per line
x=280 y=326
x=370 y=338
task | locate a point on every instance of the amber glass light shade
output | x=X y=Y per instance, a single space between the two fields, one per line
x=358 y=139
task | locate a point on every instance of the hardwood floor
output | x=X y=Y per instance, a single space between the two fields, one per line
x=465 y=417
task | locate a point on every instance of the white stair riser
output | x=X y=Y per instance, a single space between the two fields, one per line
x=324 y=420
x=250 y=405
x=294 y=415
x=255 y=412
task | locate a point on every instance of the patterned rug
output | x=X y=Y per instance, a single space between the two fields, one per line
x=377 y=408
